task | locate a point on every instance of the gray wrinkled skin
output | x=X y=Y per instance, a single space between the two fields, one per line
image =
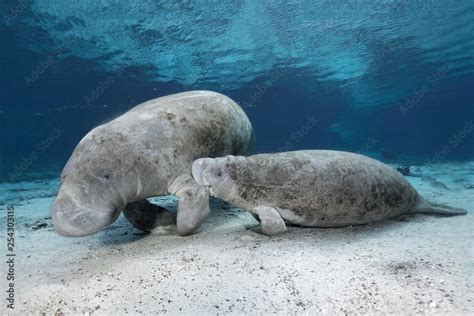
x=139 y=154
x=317 y=188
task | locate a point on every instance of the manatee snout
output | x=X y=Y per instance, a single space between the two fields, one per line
x=73 y=220
x=201 y=171
x=212 y=173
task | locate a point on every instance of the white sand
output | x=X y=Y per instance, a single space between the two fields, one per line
x=413 y=265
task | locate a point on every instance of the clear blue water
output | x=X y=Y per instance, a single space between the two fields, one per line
x=392 y=78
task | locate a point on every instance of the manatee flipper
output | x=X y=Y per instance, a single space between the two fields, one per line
x=146 y=216
x=270 y=220
x=193 y=207
x=426 y=207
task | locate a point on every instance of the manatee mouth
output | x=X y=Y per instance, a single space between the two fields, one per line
x=73 y=220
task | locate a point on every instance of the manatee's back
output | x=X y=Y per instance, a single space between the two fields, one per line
x=202 y=122
x=166 y=134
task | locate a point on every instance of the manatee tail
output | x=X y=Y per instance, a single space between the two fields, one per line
x=426 y=207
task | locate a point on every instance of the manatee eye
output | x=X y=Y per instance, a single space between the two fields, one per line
x=107 y=177
x=219 y=172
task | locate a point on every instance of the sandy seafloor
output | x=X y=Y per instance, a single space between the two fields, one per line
x=411 y=265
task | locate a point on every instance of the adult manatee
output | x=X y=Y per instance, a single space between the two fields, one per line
x=148 y=151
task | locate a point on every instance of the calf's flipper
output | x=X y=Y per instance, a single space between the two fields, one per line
x=271 y=222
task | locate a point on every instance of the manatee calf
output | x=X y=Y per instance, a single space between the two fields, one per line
x=317 y=188
x=148 y=151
